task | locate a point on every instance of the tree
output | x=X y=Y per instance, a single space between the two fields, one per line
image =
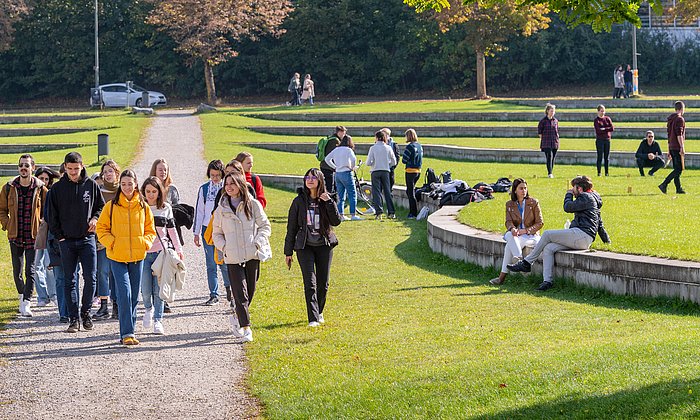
x=488 y=25
x=10 y=12
x=686 y=11
x=600 y=14
x=205 y=30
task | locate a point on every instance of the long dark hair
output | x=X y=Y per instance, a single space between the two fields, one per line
x=516 y=183
x=323 y=216
x=240 y=182
x=128 y=173
x=156 y=183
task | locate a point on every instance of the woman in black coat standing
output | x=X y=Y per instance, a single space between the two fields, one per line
x=309 y=232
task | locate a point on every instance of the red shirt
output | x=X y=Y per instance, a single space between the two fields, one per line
x=259 y=192
x=603 y=128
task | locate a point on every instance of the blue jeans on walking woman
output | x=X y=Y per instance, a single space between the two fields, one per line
x=150 y=290
x=127 y=282
x=212 y=278
x=345 y=182
x=45 y=282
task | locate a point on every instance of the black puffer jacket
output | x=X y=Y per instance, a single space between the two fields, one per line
x=296 y=222
x=586 y=209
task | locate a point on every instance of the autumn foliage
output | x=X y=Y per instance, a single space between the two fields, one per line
x=10 y=12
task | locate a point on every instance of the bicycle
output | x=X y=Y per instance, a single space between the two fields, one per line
x=363 y=190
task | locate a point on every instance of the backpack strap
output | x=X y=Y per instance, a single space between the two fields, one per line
x=254 y=181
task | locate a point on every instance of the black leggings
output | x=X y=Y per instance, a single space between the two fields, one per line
x=550 y=155
x=243 y=278
x=315 y=264
x=602 y=148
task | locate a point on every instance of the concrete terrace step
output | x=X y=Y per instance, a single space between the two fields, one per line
x=33 y=119
x=608 y=102
x=620 y=274
x=7 y=169
x=39 y=147
x=22 y=132
x=565 y=157
x=456 y=131
x=533 y=116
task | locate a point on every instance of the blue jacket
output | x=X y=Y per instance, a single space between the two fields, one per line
x=413 y=155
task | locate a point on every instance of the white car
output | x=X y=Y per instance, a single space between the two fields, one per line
x=117 y=94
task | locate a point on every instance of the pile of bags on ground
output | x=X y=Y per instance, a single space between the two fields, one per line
x=456 y=192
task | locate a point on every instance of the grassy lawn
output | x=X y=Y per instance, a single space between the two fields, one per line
x=124 y=131
x=412 y=334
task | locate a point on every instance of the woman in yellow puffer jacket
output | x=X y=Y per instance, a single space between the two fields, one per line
x=127 y=230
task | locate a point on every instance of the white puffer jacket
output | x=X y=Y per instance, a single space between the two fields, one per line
x=238 y=237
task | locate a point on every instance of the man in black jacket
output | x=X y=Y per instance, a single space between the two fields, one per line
x=75 y=204
x=649 y=155
x=328 y=172
x=585 y=204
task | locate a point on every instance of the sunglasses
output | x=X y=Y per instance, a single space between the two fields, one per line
x=24 y=165
x=310 y=178
x=650 y=137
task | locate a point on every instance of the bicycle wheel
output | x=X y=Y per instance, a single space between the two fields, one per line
x=364 y=199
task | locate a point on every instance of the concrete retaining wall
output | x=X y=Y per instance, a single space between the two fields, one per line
x=657 y=117
x=32 y=119
x=565 y=157
x=531 y=131
x=608 y=102
x=21 y=132
x=617 y=273
x=38 y=147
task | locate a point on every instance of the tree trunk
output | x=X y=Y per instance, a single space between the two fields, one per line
x=209 y=80
x=481 y=75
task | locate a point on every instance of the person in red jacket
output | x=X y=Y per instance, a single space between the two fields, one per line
x=603 y=132
x=675 y=126
x=246 y=160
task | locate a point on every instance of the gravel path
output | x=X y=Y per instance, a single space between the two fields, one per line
x=196 y=370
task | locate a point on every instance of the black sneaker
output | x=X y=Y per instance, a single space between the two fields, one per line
x=63 y=320
x=74 y=326
x=214 y=300
x=166 y=308
x=115 y=310
x=102 y=313
x=651 y=173
x=87 y=322
x=521 y=266
x=662 y=187
x=680 y=191
x=545 y=285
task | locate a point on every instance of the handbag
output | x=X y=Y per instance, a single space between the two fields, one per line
x=41 y=235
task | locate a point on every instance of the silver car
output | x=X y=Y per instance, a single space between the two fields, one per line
x=117 y=95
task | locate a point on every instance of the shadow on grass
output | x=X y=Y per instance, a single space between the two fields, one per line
x=415 y=251
x=663 y=399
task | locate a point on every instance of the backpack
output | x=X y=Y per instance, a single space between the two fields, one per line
x=446 y=177
x=430 y=177
x=321 y=148
x=502 y=185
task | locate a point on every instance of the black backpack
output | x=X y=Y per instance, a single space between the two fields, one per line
x=430 y=177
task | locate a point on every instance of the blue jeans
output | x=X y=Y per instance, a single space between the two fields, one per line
x=61 y=291
x=344 y=182
x=127 y=281
x=212 y=278
x=149 y=287
x=105 y=280
x=73 y=251
x=45 y=282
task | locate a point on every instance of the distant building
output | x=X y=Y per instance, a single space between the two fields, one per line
x=675 y=27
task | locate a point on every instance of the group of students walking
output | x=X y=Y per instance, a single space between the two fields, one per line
x=648 y=153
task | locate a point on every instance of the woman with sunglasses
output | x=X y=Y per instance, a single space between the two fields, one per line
x=309 y=232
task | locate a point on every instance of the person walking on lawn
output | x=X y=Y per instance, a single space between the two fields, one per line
x=21 y=208
x=126 y=229
x=548 y=130
x=310 y=234
x=675 y=126
x=75 y=204
x=585 y=204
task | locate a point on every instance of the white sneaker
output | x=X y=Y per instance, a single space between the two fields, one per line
x=320 y=319
x=158 y=328
x=25 y=309
x=247 y=335
x=314 y=324
x=346 y=218
x=550 y=176
x=148 y=318
x=355 y=218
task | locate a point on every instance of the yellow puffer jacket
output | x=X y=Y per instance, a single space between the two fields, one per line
x=126 y=230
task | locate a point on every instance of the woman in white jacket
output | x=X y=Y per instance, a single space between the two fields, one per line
x=343 y=160
x=241 y=230
x=381 y=158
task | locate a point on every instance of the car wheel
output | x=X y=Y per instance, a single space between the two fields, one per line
x=138 y=103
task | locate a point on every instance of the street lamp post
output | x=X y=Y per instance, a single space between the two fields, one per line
x=635 y=71
x=97 y=50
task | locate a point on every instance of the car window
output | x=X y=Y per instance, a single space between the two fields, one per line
x=139 y=88
x=121 y=89
x=108 y=89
